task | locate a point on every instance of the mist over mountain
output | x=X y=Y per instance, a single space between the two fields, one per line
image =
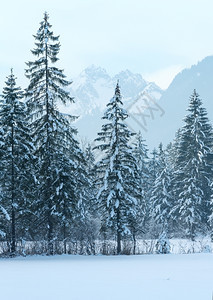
x=94 y=88
x=175 y=100
x=156 y=113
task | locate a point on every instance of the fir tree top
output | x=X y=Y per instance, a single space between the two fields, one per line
x=10 y=91
x=44 y=36
x=196 y=133
x=46 y=81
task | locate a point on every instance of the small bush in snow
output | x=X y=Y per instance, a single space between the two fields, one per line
x=163 y=244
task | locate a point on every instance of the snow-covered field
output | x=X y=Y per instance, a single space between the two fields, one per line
x=145 y=277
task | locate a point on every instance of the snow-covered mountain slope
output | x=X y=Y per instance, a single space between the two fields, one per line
x=156 y=113
x=93 y=89
x=175 y=101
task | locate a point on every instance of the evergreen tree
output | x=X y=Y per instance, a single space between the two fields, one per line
x=92 y=176
x=153 y=166
x=117 y=172
x=140 y=153
x=16 y=162
x=4 y=216
x=192 y=175
x=161 y=196
x=71 y=188
x=210 y=218
x=57 y=151
x=172 y=150
x=163 y=244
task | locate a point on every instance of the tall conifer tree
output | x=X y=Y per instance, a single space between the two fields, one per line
x=57 y=150
x=192 y=168
x=161 y=196
x=16 y=162
x=117 y=171
x=140 y=152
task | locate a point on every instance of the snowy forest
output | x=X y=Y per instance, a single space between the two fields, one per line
x=106 y=197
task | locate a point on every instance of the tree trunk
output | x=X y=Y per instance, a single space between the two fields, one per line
x=50 y=249
x=13 y=232
x=192 y=233
x=118 y=233
x=48 y=160
x=65 y=239
x=134 y=243
x=13 y=222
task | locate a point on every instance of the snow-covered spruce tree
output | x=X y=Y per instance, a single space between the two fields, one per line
x=117 y=172
x=58 y=153
x=91 y=173
x=210 y=218
x=16 y=163
x=193 y=172
x=161 y=193
x=153 y=166
x=90 y=225
x=140 y=153
x=172 y=150
x=163 y=245
x=4 y=216
x=70 y=198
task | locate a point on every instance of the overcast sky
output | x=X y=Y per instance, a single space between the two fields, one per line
x=154 y=38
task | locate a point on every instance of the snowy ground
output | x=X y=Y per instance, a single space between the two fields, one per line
x=145 y=277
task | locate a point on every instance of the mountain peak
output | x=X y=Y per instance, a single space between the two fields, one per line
x=95 y=72
x=131 y=83
x=125 y=73
x=94 y=88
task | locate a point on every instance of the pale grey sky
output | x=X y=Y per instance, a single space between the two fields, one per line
x=152 y=37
